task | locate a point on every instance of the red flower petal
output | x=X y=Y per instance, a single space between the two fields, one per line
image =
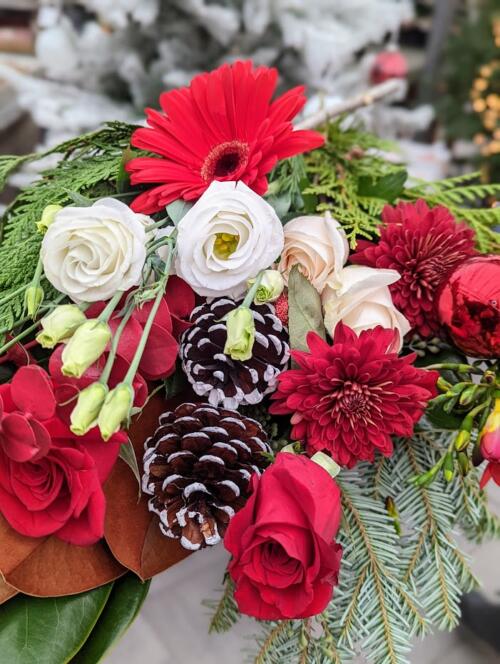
x=31 y=391
x=160 y=354
x=21 y=441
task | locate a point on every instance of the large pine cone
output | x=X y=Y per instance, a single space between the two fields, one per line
x=197 y=468
x=217 y=376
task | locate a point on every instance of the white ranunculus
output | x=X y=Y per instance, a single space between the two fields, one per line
x=363 y=300
x=89 y=253
x=226 y=238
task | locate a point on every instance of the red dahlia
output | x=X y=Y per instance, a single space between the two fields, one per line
x=423 y=245
x=224 y=126
x=349 y=398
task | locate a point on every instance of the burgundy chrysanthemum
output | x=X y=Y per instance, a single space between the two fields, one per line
x=224 y=126
x=423 y=245
x=351 y=397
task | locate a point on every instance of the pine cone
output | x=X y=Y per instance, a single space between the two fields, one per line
x=217 y=376
x=197 y=468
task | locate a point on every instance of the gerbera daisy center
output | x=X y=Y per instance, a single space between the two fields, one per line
x=225 y=160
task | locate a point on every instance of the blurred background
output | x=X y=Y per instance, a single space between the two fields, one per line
x=66 y=66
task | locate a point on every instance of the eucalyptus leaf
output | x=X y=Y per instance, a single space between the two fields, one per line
x=127 y=454
x=388 y=187
x=50 y=630
x=280 y=203
x=304 y=310
x=122 y=608
x=177 y=209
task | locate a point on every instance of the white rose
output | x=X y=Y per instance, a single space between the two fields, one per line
x=318 y=245
x=226 y=238
x=363 y=301
x=89 y=253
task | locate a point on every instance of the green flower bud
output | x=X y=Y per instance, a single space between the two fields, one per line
x=88 y=406
x=115 y=410
x=448 y=467
x=240 y=334
x=60 y=324
x=33 y=298
x=463 y=463
x=462 y=440
x=86 y=345
x=270 y=287
x=48 y=216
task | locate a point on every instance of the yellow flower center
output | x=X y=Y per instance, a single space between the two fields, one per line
x=225 y=244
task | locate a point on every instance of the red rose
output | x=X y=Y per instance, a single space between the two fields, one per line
x=285 y=560
x=50 y=480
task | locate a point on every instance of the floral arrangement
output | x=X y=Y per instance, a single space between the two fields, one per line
x=221 y=329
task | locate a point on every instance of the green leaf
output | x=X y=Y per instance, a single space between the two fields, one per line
x=440 y=419
x=122 y=608
x=177 y=209
x=388 y=187
x=127 y=454
x=304 y=310
x=175 y=383
x=123 y=178
x=280 y=203
x=35 y=630
x=78 y=199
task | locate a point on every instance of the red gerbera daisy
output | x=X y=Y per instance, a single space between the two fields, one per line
x=224 y=126
x=349 y=398
x=423 y=245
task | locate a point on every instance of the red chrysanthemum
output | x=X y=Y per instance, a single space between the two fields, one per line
x=351 y=397
x=423 y=245
x=224 y=126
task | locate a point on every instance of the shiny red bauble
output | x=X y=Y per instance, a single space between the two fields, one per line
x=468 y=306
x=387 y=65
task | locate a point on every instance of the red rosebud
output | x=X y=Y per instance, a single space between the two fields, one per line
x=468 y=306
x=388 y=65
x=285 y=560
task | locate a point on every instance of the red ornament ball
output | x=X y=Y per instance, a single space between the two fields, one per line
x=387 y=65
x=468 y=306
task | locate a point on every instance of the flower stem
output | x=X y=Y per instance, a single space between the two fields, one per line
x=106 y=372
x=9 y=297
x=105 y=314
x=149 y=323
x=26 y=332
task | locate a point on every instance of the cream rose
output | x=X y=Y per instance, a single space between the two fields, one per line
x=363 y=301
x=89 y=253
x=226 y=238
x=318 y=245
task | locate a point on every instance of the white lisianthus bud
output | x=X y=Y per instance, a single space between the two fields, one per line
x=240 y=327
x=115 y=410
x=270 y=288
x=33 y=298
x=363 y=300
x=227 y=237
x=60 y=325
x=86 y=345
x=88 y=406
x=89 y=253
x=319 y=247
x=48 y=216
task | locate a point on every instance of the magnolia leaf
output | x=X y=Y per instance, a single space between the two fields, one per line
x=132 y=531
x=177 y=209
x=121 y=609
x=304 y=310
x=46 y=566
x=127 y=454
x=51 y=630
x=388 y=187
x=6 y=591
